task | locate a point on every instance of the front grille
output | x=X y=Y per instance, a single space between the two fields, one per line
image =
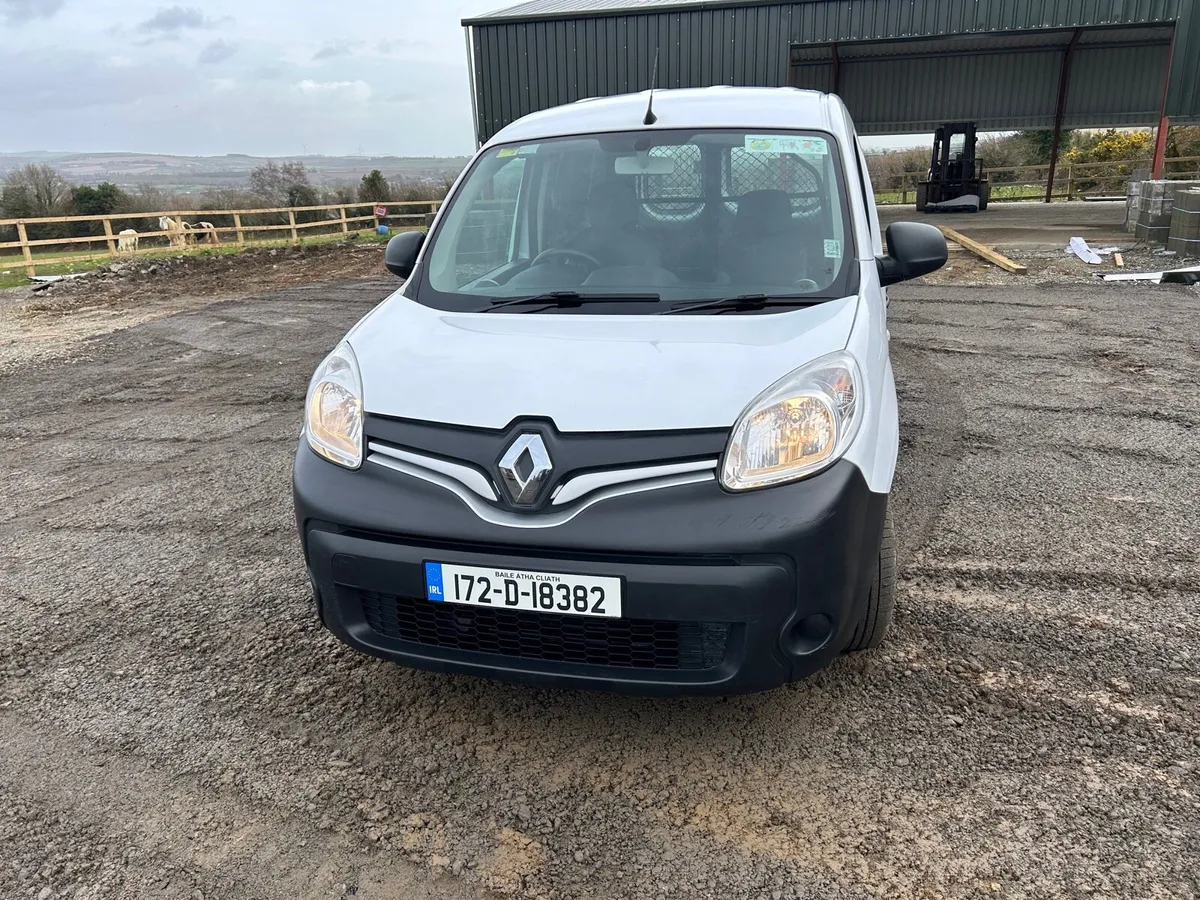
x=622 y=643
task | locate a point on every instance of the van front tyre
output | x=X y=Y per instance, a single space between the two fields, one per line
x=881 y=600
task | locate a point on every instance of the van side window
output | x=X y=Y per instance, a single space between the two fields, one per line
x=487 y=239
x=808 y=180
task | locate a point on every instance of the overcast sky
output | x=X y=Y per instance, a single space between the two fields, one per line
x=265 y=77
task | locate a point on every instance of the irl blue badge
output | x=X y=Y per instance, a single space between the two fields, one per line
x=433 y=582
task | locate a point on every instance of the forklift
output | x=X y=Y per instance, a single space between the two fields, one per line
x=956 y=182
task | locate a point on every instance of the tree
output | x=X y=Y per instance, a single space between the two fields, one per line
x=341 y=193
x=282 y=185
x=35 y=191
x=1040 y=143
x=101 y=200
x=374 y=188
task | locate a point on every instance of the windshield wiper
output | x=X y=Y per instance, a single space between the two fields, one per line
x=748 y=302
x=567 y=299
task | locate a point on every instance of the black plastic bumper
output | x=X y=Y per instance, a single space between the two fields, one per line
x=786 y=570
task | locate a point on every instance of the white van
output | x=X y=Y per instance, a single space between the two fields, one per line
x=630 y=421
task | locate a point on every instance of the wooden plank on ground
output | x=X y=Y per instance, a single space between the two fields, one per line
x=1119 y=260
x=987 y=253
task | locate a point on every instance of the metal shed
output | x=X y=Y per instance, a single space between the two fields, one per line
x=900 y=65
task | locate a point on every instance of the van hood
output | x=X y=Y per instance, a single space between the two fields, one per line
x=584 y=373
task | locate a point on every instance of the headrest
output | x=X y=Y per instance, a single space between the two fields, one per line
x=613 y=203
x=764 y=212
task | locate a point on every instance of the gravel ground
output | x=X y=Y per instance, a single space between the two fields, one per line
x=174 y=723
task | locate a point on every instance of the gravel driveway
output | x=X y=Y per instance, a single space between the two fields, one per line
x=174 y=723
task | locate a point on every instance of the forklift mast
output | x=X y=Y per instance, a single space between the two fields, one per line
x=956 y=181
x=953 y=152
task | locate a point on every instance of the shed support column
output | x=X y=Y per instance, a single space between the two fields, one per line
x=1164 y=122
x=837 y=67
x=1160 y=148
x=1064 y=80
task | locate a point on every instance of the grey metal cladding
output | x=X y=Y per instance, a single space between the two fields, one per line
x=548 y=52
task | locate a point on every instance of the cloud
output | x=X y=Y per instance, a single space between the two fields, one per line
x=396 y=47
x=334 y=49
x=216 y=52
x=171 y=20
x=272 y=71
x=352 y=90
x=18 y=11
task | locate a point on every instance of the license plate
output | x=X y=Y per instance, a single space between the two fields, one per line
x=552 y=592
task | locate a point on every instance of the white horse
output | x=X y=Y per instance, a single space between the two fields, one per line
x=183 y=234
x=127 y=241
x=175 y=231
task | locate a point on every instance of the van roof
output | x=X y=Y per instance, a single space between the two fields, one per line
x=711 y=107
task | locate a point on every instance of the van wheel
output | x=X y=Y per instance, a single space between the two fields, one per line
x=881 y=601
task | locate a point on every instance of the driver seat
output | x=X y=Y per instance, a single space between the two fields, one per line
x=766 y=246
x=613 y=233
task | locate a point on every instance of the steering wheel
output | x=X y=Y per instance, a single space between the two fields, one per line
x=568 y=255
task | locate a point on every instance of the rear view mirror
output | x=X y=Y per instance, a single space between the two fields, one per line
x=914 y=249
x=645 y=165
x=402 y=251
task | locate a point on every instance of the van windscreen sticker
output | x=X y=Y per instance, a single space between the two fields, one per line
x=786 y=143
x=526 y=150
x=833 y=249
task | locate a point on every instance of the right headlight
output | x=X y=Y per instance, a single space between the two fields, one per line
x=333 y=409
x=798 y=426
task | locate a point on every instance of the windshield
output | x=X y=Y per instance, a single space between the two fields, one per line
x=661 y=216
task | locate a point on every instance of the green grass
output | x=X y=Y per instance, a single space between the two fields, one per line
x=12 y=267
x=999 y=192
x=14 y=276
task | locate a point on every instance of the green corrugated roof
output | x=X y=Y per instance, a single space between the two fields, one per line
x=535 y=9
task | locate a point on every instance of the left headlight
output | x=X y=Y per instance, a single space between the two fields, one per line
x=796 y=427
x=333 y=409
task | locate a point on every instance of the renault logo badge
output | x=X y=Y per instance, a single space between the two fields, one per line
x=525 y=468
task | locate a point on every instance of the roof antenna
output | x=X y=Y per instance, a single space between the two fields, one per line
x=651 y=118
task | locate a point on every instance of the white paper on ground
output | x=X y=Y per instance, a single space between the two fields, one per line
x=1081 y=249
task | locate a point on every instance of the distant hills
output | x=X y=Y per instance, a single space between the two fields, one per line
x=195 y=173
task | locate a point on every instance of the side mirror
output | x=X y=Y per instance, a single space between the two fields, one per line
x=402 y=250
x=914 y=249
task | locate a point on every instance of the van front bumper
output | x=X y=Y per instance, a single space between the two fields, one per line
x=723 y=593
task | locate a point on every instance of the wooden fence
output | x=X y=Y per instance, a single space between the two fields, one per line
x=244 y=226
x=1072 y=181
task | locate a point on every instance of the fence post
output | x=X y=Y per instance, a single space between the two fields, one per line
x=1070 y=182
x=903 y=188
x=237 y=224
x=292 y=222
x=108 y=237
x=180 y=238
x=24 y=239
x=345 y=226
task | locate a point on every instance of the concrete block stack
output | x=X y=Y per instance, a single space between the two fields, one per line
x=1133 y=202
x=1184 y=238
x=1155 y=208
